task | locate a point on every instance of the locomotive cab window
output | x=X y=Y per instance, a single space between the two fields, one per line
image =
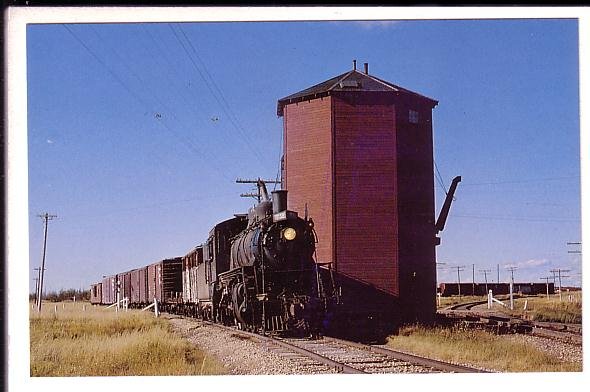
x=413 y=116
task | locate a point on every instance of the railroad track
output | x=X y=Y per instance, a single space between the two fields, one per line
x=570 y=333
x=349 y=357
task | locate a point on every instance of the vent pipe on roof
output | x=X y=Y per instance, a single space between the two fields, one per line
x=354 y=65
x=366 y=68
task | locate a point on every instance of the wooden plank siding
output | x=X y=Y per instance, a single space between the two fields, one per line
x=416 y=212
x=308 y=164
x=365 y=197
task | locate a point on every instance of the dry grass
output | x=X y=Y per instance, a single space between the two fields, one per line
x=478 y=347
x=444 y=302
x=102 y=342
x=541 y=308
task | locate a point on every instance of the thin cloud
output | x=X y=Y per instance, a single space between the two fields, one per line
x=376 y=24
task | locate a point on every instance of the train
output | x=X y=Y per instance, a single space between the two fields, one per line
x=449 y=289
x=255 y=271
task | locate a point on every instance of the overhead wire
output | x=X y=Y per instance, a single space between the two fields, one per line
x=143 y=102
x=216 y=91
x=196 y=107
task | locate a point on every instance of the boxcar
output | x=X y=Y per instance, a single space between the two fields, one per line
x=109 y=290
x=138 y=279
x=96 y=293
x=165 y=280
x=189 y=274
x=124 y=280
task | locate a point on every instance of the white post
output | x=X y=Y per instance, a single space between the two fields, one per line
x=118 y=297
x=526 y=302
x=489 y=299
x=438 y=295
x=63 y=305
x=156 y=307
x=511 y=297
x=55 y=309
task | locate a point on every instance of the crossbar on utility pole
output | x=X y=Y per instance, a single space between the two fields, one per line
x=46 y=217
x=258 y=181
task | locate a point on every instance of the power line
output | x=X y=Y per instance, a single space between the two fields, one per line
x=219 y=97
x=187 y=142
x=166 y=71
x=439 y=178
x=516 y=218
x=522 y=181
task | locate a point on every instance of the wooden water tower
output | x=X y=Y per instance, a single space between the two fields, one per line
x=359 y=152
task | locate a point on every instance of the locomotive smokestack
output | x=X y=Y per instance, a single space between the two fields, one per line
x=354 y=65
x=366 y=68
x=279 y=201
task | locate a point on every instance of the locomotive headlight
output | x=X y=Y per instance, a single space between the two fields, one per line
x=289 y=234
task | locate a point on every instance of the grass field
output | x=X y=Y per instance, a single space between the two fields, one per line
x=538 y=308
x=101 y=342
x=541 y=308
x=478 y=347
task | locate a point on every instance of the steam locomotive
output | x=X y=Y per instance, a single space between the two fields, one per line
x=255 y=271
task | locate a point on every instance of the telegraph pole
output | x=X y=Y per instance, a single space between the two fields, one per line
x=47 y=218
x=559 y=271
x=459 y=269
x=512 y=269
x=37 y=280
x=547 y=284
x=473 y=279
x=485 y=275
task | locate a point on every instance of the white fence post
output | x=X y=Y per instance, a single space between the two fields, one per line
x=156 y=308
x=490 y=299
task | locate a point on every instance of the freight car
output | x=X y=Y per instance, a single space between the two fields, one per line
x=255 y=271
x=448 y=289
x=96 y=293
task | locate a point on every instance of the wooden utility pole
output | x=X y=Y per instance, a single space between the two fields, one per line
x=37 y=280
x=559 y=271
x=547 y=284
x=459 y=269
x=512 y=269
x=47 y=218
x=472 y=279
x=485 y=276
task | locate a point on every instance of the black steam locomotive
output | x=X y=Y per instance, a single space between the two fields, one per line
x=273 y=282
x=255 y=271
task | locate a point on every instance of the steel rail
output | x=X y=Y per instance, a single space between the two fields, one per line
x=338 y=366
x=410 y=358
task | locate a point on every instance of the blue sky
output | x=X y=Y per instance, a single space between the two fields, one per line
x=137 y=132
